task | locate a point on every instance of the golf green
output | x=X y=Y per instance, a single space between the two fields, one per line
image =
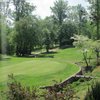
x=39 y=71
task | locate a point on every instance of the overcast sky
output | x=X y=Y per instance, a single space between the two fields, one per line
x=43 y=6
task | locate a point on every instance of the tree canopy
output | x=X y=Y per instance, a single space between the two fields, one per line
x=29 y=31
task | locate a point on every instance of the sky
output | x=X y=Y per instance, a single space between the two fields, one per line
x=43 y=6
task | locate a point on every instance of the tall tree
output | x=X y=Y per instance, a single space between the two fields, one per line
x=52 y=27
x=48 y=35
x=47 y=40
x=78 y=16
x=25 y=38
x=60 y=11
x=3 y=23
x=66 y=32
x=81 y=16
x=22 y=9
x=24 y=26
x=95 y=15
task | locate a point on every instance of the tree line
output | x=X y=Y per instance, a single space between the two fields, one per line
x=29 y=31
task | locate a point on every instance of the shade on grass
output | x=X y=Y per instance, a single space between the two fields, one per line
x=41 y=71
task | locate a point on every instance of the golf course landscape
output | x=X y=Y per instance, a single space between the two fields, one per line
x=50 y=50
x=40 y=71
x=44 y=71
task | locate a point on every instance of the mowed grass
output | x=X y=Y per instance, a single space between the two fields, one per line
x=41 y=71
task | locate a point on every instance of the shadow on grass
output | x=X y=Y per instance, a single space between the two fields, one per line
x=51 y=52
x=41 y=55
x=5 y=59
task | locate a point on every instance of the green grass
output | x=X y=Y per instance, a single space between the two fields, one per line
x=82 y=87
x=40 y=71
x=96 y=72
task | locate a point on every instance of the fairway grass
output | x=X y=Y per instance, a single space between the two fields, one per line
x=40 y=71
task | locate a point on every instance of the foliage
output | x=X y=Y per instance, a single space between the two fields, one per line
x=47 y=40
x=60 y=11
x=78 y=16
x=49 y=33
x=96 y=49
x=84 y=43
x=22 y=9
x=25 y=37
x=0 y=39
x=87 y=45
x=65 y=33
x=63 y=24
x=2 y=34
x=95 y=15
x=81 y=41
x=82 y=18
x=93 y=92
x=24 y=26
x=10 y=41
x=17 y=92
x=53 y=28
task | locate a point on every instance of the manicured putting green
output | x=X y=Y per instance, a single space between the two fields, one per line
x=38 y=71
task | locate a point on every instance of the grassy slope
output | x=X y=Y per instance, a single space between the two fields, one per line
x=81 y=88
x=41 y=71
x=96 y=72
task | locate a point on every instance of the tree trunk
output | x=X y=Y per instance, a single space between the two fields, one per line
x=85 y=59
x=47 y=48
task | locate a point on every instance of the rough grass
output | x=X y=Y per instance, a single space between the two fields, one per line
x=40 y=71
x=96 y=72
x=82 y=87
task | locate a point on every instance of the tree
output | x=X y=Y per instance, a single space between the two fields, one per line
x=77 y=16
x=3 y=23
x=96 y=49
x=47 y=40
x=66 y=32
x=25 y=37
x=88 y=47
x=49 y=24
x=22 y=9
x=95 y=15
x=6 y=46
x=81 y=15
x=0 y=33
x=24 y=27
x=10 y=41
x=60 y=11
x=84 y=43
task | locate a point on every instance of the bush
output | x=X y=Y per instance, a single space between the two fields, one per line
x=93 y=92
x=18 y=92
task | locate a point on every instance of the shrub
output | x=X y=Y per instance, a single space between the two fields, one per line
x=16 y=91
x=93 y=92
